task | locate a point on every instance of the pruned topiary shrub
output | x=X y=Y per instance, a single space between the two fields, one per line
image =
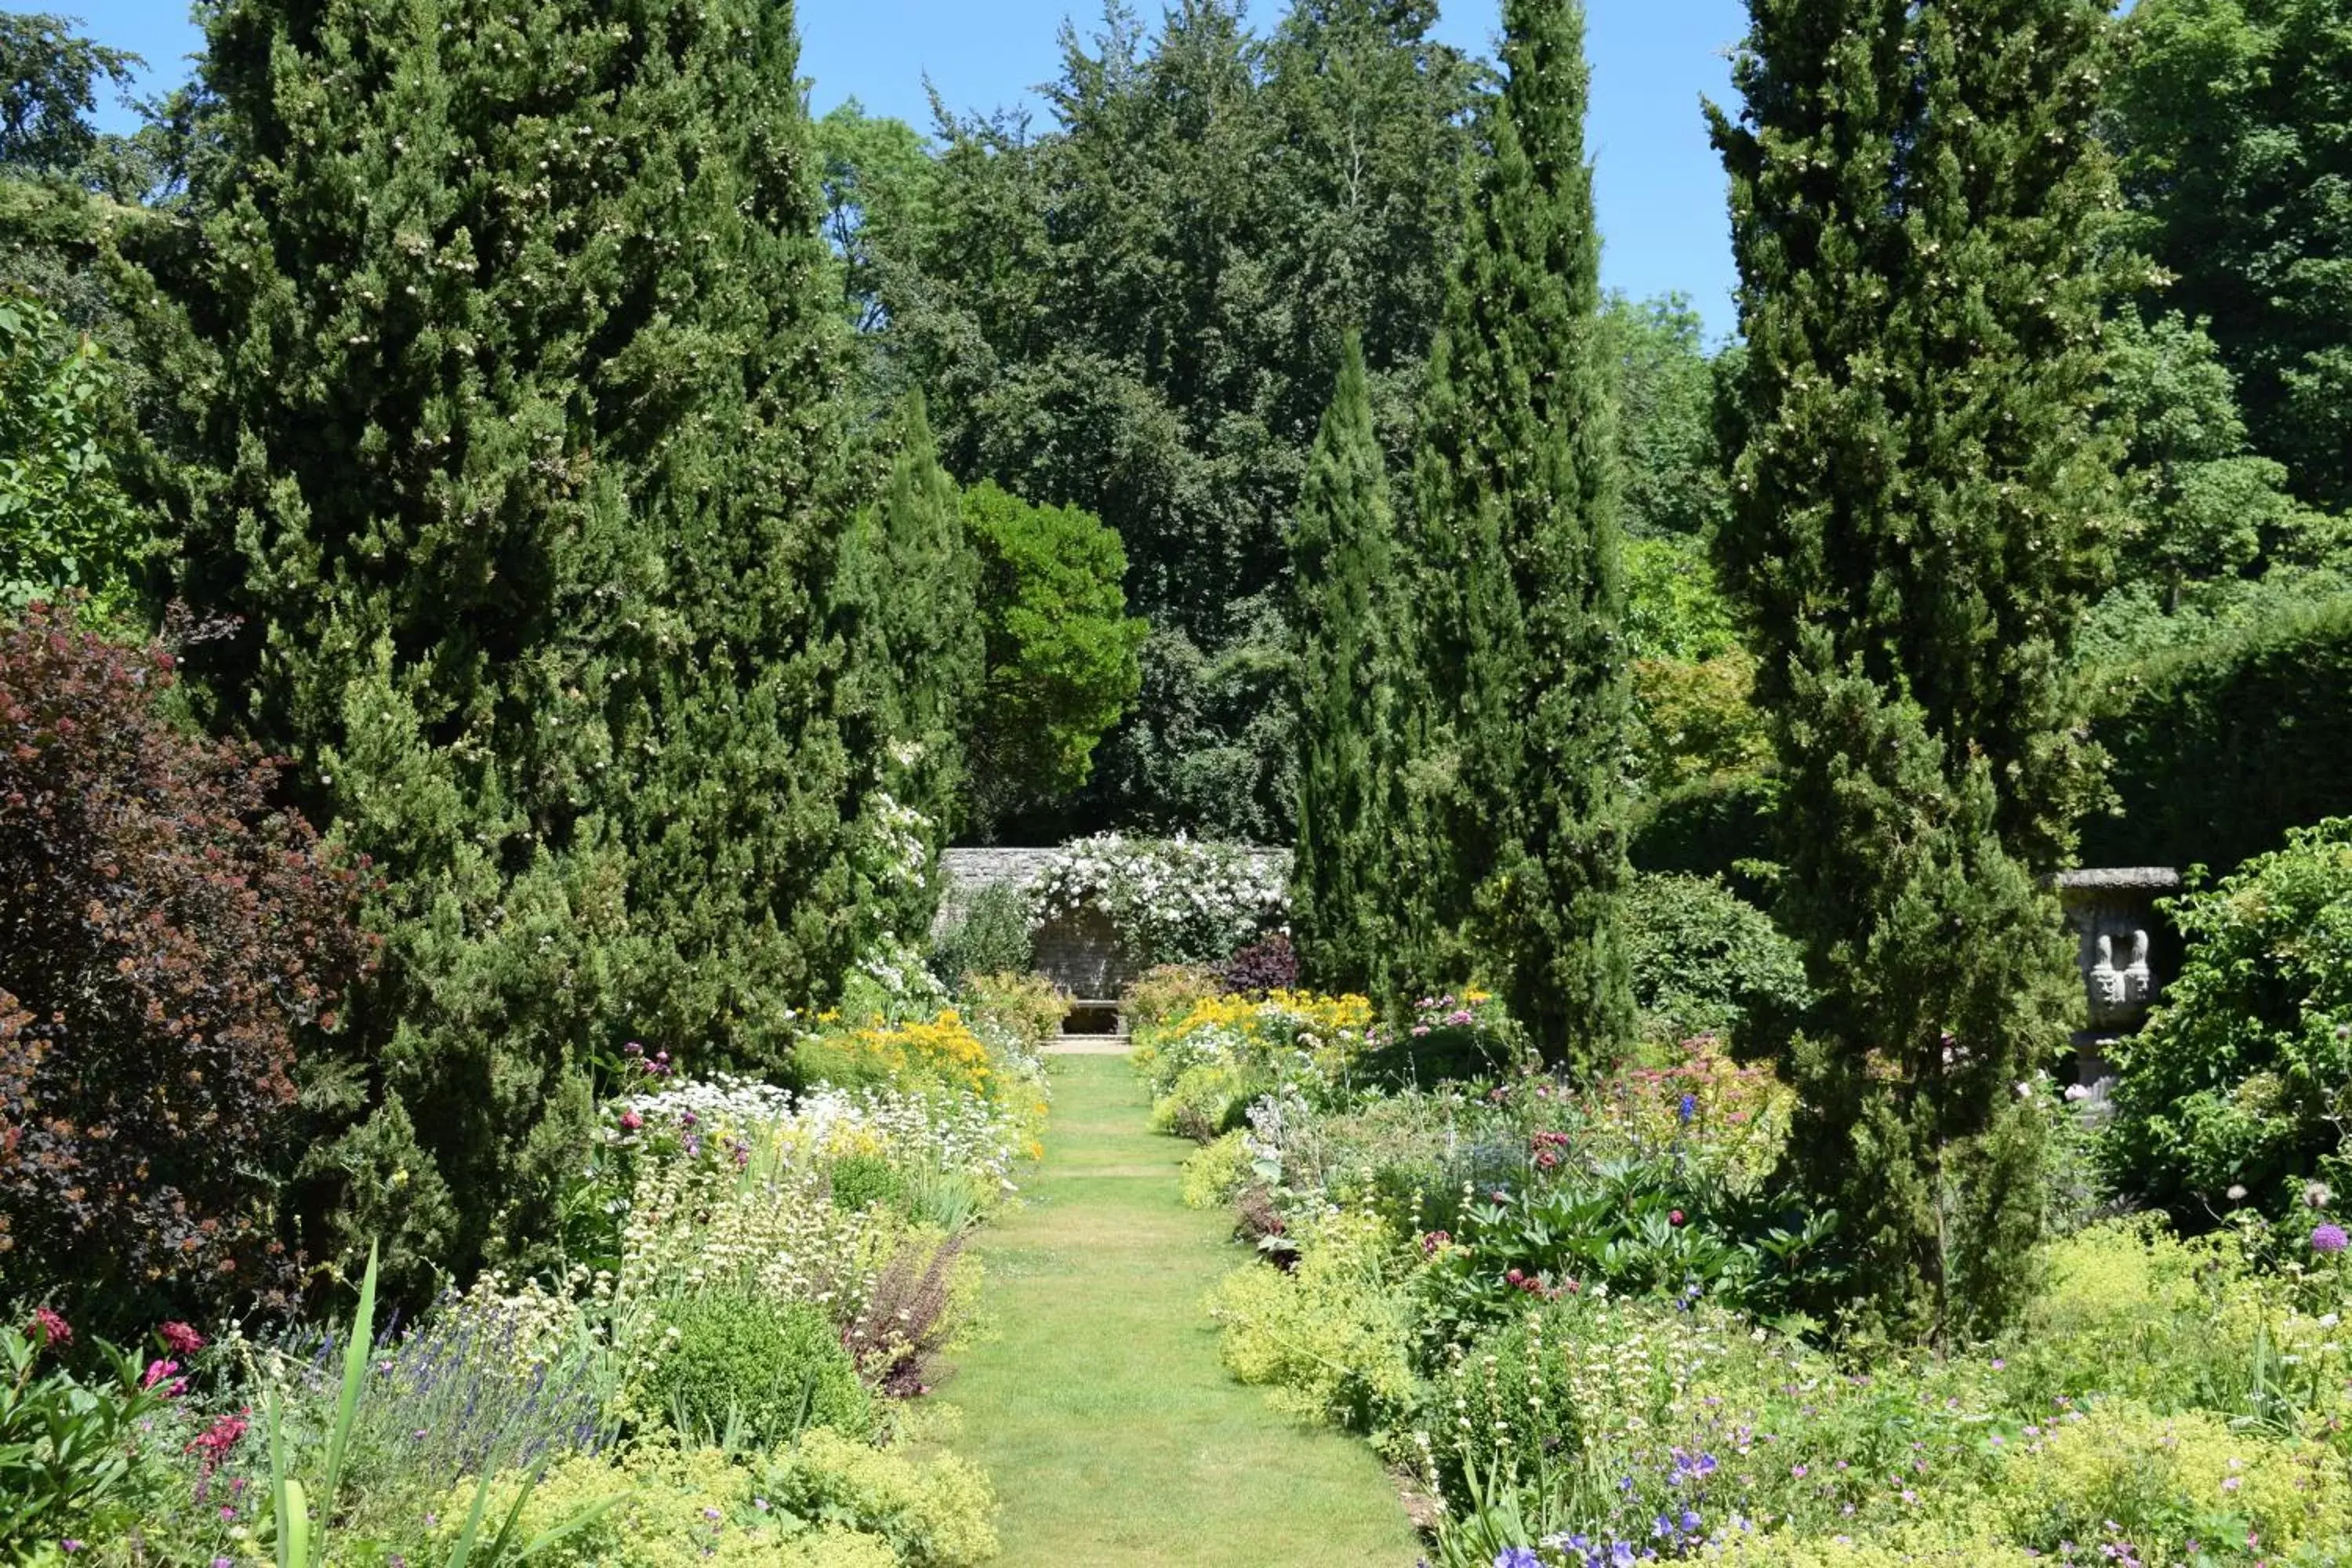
x=165 y=938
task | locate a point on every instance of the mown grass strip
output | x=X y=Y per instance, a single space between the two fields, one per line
x=1097 y=1405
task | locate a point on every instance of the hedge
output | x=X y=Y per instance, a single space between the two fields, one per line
x=2220 y=747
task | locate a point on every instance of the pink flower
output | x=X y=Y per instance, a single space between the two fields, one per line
x=47 y=1328
x=631 y=1122
x=214 y=1443
x=180 y=1338
x=160 y=1371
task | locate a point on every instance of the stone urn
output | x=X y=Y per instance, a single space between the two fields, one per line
x=2121 y=945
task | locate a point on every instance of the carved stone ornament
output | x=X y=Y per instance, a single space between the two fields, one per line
x=2112 y=912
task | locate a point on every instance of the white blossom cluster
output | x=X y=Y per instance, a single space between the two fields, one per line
x=1173 y=900
x=958 y=1131
x=896 y=849
x=904 y=977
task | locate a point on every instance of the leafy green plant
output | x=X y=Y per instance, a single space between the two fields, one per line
x=70 y=1456
x=747 y=1365
x=991 y=938
x=1025 y=1008
x=2236 y=1081
x=1702 y=957
x=65 y=525
x=1062 y=651
x=934 y=1515
x=861 y=1181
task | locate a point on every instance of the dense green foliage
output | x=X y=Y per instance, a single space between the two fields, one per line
x=2231 y=1090
x=1060 y=658
x=991 y=936
x=747 y=1363
x=2220 y=746
x=905 y=607
x=1702 y=957
x=167 y=938
x=64 y=524
x=1350 y=622
x=519 y=464
x=2203 y=506
x=1520 y=591
x=1917 y=500
x=1136 y=311
x=1665 y=385
x=2235 y=143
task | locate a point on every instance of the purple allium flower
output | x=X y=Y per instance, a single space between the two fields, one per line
x=2328 y=1239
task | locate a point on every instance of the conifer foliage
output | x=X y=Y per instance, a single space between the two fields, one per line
x=1524 y=666
x=1344 y=556
x=1918 y=501
x=906 y=601
x=521 y=477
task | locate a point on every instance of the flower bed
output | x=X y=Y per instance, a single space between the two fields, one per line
x=1563 y=1307
x=726 y=1371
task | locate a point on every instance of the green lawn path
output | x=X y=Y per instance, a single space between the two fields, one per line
x=1096 y=1403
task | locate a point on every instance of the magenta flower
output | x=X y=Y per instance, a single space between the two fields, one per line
x=47 y=1328
x=2328 y=1239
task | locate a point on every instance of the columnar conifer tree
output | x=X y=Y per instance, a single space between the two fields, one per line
x=522 y=481
x=1523 y=665
x=906 y=601
x=1918 y=495
x=1349 y=708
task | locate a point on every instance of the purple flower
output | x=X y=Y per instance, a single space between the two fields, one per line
x=1518 y=1557
x=1687 y=1109
x=2328 y=1239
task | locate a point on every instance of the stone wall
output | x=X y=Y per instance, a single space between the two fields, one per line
x=1079 y=952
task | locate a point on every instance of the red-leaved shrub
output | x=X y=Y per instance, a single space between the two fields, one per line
x=164 y=935
x=1270 y=963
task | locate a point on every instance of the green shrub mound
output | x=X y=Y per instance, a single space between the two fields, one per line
x=2220 y=748
x=1716 y=826
x=768 y=1370
x=1702 y=957
x=2236 y=1082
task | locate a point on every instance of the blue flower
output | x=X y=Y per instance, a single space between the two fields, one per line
x=1688 y=1108
x=1518 y=1557
x=1691 y=1521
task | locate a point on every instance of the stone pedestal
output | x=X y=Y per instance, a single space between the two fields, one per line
x=2123 y=949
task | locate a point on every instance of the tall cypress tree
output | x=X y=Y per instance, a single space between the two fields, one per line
x=1344 y=560
x=907 y=606
x=1524 y=666
x=522 y=483
x=1918 y=501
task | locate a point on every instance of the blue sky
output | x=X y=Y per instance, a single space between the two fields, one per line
x=1660 y=189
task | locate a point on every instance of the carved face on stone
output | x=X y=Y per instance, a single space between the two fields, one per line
x=2117 y=978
